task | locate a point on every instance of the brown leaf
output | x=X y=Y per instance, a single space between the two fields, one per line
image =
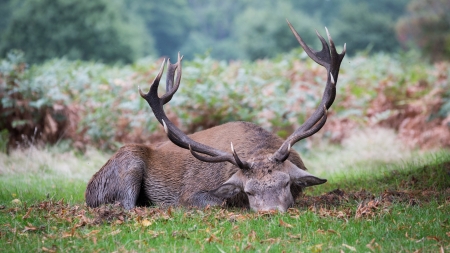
x=351 y=248
x=48 y=250
x=373 y=246
x=320 y=231
x=65 y=235
x=155 y=234
x=212 y=238
x=180 y=234
x=146 y=223
x=93 y=232
x=284 y=224
x=297 y=236
x=271 y=240
x=333 y=232
x=252 y=235
x=433 y=238
x=27 y=215
x=115 y=232
x=316 y=248
x=29 y=228
x=248 y=247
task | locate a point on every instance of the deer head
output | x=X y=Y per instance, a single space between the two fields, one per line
x=266 y=178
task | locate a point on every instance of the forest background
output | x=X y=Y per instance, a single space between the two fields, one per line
x=70 y=69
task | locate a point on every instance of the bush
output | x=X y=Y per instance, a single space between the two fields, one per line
x=97 y=104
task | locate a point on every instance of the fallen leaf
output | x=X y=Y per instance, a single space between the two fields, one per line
x=351 y=248
x=333 y=232
x=284 y=224
x=65 y=235
x=212 y=238
x=180 y=234
x=48 y=250
x=248 y=247
x=29 y=228
x=93 y=232
x=27 y=215
x=146 y=223
x=372 y=245
x=316 y=248
x=433 y=238
x=155 y=234
x=271 y=240
x=297 y=236
x=252 y=235
x=115 y=232
x=320 y=231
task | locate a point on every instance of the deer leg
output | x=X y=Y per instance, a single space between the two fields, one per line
x=119 y=180
x=130 y=187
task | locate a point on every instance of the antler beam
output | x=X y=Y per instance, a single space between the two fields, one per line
x=331 y=60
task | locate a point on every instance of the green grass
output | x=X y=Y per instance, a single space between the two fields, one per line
x=400 y=206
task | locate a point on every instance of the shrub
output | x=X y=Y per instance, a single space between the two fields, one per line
x=97 y=104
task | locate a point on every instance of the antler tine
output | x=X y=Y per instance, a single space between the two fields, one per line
x=331 y=60
x=176 y=135
x=155 y=81
x=320 y=57
x=217 y=159
x=170 y=88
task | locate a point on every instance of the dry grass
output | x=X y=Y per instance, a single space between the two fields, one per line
x=371 y=147
x=52 y=161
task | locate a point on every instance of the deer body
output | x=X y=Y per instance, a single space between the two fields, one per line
x=263 y=173
x=165 y=174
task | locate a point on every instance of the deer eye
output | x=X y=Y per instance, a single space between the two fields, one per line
x=249 y=193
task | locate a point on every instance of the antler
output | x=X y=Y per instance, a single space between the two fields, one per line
x=176 y=135
x=331 y=60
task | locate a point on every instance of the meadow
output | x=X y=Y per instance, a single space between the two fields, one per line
x=386 y=203
x=384 y=151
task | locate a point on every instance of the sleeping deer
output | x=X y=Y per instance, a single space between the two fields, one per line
x=235 y=164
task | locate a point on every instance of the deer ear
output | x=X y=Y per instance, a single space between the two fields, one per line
x=226 y=191
x=230 y=188
x=303 y=178
x=309 y=181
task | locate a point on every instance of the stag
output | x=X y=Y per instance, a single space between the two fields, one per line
x=260 y=171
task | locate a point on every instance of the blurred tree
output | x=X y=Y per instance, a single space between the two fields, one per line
x=5 y=13
x=76 y=29
x=427 y=25
x=213 y=28
x=263 y=32
x=324 y=11
x=169 y=23
x=364 y=26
